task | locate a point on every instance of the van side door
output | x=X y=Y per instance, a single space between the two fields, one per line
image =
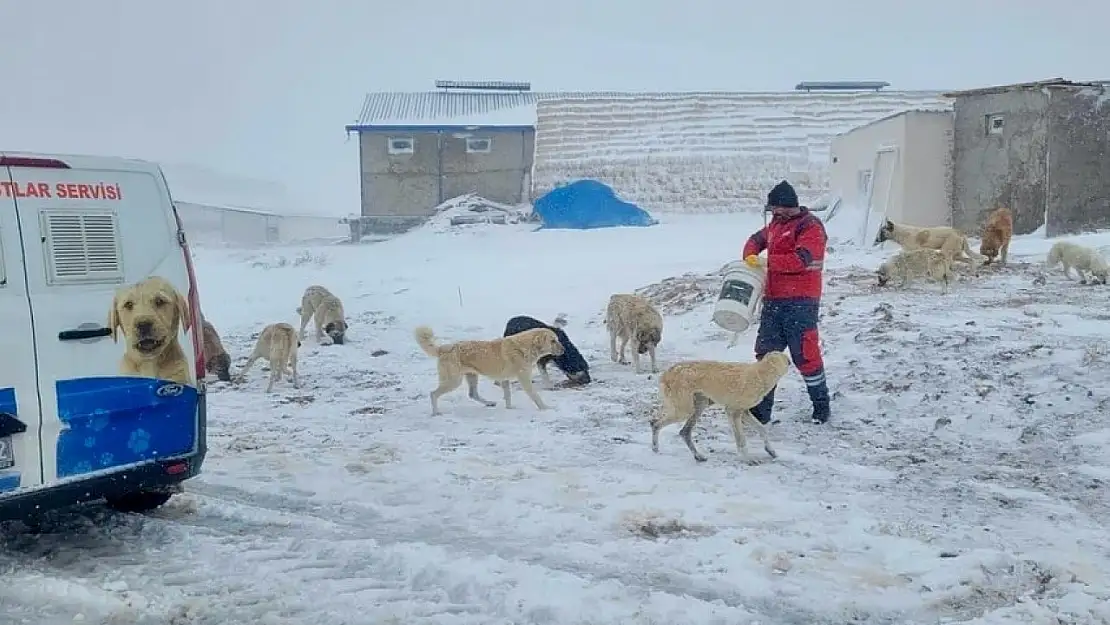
x=101 y=230
x=20 y=411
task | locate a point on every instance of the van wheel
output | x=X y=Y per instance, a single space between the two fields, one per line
x=142 y=501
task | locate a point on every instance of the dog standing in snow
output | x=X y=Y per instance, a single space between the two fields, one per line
x=997 y=232
x=688 y=388
x=941 y=238
x=1082 y=259
x=921 y=263
x=326 y=311
x=503 y=359
x=278 y=343
x=633 y=318
x=571 y=362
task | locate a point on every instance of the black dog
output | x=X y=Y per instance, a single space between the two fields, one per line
x=571 y=362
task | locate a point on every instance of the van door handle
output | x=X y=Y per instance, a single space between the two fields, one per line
x=79 y=334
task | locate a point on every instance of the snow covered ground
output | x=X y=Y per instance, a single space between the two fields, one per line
x=963 y=480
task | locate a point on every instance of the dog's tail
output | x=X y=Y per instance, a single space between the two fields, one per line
x=666 y=406
x=426 y=339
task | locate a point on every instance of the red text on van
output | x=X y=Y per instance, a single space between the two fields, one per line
x=62 y=190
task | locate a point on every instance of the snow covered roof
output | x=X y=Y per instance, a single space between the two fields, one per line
x=1039 y=84
x=195 y=184
x=447 y=109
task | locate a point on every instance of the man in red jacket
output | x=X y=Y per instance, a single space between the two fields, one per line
x=795 y=243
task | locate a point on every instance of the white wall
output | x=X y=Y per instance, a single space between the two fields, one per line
x=854 y=156
x=214 y=225
x=293 y=228
x=920 y=184
x=928 y=168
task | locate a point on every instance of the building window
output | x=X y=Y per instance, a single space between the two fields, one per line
x=401 y=145
x=479 y=146
x=995 y=124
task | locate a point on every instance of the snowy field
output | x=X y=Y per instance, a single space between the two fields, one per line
x=963 y=478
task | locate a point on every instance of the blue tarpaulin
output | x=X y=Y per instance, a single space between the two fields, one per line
x=585 y=204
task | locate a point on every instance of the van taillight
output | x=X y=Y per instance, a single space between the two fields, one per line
x=194 y=302
x=30 y=161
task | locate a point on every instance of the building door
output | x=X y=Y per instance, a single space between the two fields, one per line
x=879 y=189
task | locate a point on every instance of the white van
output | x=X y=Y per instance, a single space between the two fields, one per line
x=84 y=413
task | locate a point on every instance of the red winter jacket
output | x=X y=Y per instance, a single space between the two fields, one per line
x=795 y=256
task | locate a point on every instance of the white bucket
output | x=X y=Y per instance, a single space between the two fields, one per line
x=740 y=296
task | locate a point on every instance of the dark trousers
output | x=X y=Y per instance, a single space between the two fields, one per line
x=792 y=324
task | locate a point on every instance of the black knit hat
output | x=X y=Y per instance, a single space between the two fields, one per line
x=782 y=195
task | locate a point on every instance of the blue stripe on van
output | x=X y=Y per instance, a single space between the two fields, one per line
x=7 y=401
x=9 y=480
x=115 y=421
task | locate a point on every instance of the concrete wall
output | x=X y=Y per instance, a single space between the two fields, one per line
x=1005 y=169
x=926 y=169
x=1078 y=161
x=852 y=156
x=406 y=187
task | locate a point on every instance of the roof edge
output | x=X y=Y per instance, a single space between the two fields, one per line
x=438 y=127
x=1049 y=83
x=947 y=111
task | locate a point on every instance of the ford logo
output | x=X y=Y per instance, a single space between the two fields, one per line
x=172 y=389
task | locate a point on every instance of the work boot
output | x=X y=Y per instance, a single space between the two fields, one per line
x=762 y=411
x=821 y=411
x=818 y=390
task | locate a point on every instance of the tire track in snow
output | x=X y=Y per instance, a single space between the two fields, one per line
x=465 y=546
x=249 y=557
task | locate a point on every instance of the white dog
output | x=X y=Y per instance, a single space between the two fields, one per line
x=1082 y=259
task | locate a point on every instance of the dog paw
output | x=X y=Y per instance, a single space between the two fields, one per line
x=700 y=458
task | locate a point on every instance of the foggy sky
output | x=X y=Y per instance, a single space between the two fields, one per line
x=263 y=88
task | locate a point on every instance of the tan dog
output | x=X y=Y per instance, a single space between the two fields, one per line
x=149 y=314
x=948 y=240
x=1082 y=259
x=326 y=311
x=278 y=343
x=909 y=264
x=504 y=359
x=633 y=318
x=997 y=232
x=216 y=358
x=689 y=387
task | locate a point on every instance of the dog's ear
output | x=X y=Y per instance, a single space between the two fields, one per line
x=113 y=319
x=183 y=310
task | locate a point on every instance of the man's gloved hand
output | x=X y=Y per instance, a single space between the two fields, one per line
x=754 y=262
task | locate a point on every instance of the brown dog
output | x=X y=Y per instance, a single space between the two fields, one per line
x=997 y=232
x=149 y=314
x=688 y=388
x=216 y=358
x=633 y=318
x=504 y=359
